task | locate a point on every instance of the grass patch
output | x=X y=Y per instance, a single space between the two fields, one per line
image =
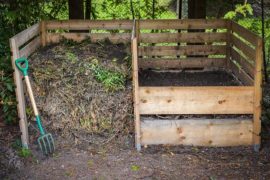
x=25 y=153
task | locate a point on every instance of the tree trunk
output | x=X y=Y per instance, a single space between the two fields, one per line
x=153 y=9
x=88 y=9
x=179 y=14
x=75 y=9
x=179 y=9
x=132 y=9
x=197 y=9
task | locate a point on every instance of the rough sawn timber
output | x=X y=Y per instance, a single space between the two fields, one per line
x=197 y=132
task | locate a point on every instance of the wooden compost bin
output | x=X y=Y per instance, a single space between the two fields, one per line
x=235 y=48
x=202 y=44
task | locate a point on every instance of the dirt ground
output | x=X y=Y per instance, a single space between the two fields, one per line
x=119 y=160
x=83 y=152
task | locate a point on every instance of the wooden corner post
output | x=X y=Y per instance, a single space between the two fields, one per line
x=134 y=50
x=19 y=94
x=43 y=32
x=257 y=96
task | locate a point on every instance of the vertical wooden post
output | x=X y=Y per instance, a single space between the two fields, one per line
x=257 y=96
x=19 y=94
x=137 y=31
x=43 y=32
x=134 y=50
x=229 y=43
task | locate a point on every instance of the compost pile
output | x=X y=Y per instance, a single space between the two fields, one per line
x=83 y=89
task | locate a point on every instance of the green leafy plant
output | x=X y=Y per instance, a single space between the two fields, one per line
x=25 y=153
x=242 y=9
x=7 y=94
x=111 y=80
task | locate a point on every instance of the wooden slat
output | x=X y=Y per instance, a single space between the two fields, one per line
x=197 y=132
x=181 y=50
x=157 y=63
x=27 y=34
x=116 y=38
x=196 y=100
x=196 y=37
x=245 y=33
x=258 y=94
x=247 y=67
x=183 y=24
x=247 y=50
x=31 y=47
x=241 y=75
x=90 y=24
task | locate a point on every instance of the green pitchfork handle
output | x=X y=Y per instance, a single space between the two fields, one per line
x=24 y=70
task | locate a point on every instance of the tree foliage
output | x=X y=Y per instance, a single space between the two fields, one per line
x=240 y=9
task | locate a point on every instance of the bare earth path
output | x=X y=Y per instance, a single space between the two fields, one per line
x=121 y=161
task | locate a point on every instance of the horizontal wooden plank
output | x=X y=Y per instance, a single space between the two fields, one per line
x=245 y=33
x=26 y=35
x=89 y=24
x=247 y=67
x=195 y=37
x=158 y=63
x=196 y=100
x=197 y=132
x=114 y=37
x=30 y=47
x=247 y=50
x=182 y=50
x=241 y=74
x=183 y=24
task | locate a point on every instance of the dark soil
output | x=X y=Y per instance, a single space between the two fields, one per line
x=185 y=78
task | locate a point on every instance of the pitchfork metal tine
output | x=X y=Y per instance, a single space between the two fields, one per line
x=40 y=146
x=48 y=141
x=45 y=147
x=52 y=141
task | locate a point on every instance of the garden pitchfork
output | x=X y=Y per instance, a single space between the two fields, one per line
x=45 y=141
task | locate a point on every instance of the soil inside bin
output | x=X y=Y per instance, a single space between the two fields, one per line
x=186 y=78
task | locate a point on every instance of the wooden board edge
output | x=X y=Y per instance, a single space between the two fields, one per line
x=196 y=100
x=197 y=132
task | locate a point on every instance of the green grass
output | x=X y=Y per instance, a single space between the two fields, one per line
x=25 y=153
